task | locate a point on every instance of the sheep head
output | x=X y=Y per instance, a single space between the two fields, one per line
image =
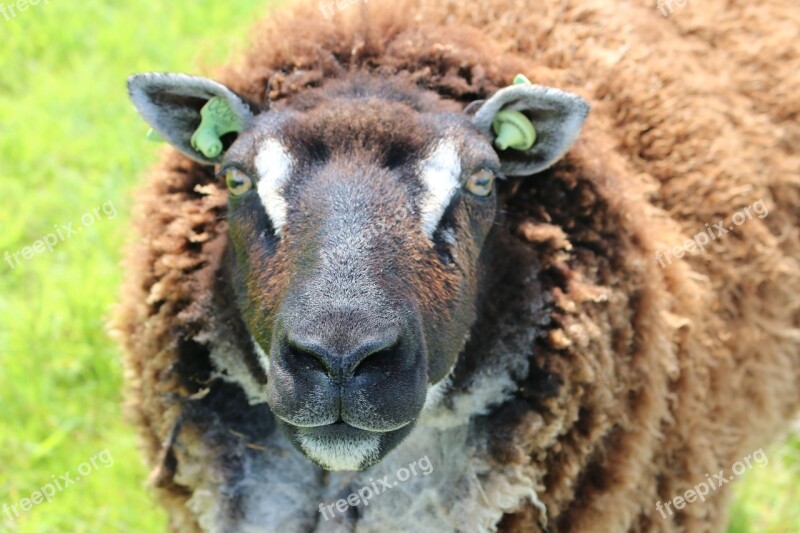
x=357 y=216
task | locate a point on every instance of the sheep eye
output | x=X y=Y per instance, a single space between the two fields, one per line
x=481 y=183
x=238 y=182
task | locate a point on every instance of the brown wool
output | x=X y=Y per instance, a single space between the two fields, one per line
x=658 y=375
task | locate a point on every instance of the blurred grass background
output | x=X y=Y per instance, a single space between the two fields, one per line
x=70 y=142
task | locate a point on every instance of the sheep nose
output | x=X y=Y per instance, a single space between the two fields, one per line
x=303 y=354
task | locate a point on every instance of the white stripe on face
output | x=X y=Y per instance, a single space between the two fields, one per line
x=274 y=166
x=440 y=173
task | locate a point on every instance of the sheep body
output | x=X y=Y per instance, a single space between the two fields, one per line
x=598 y=382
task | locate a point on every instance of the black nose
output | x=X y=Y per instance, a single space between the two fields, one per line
x=366 y=369
x=308 y=355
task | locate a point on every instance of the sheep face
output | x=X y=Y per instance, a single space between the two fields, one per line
x=355 y=257
x=357 y=215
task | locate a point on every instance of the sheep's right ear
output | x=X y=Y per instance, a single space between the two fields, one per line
x=196 y=115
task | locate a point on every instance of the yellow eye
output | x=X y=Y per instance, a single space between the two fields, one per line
x=238 y=182
x=481 y=183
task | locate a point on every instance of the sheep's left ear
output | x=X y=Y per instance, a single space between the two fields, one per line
x=196 y=115
x=556 y=118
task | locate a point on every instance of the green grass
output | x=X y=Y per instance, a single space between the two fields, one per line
x=70 y=142
x=768 y=498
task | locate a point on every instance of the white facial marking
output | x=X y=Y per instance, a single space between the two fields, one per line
x=440 y=173
x=338 y=453
x=262 y=355
x=274 y=166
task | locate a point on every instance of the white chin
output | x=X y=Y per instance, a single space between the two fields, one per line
x=340 y=453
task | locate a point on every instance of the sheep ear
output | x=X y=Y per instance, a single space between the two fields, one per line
x=195 y=115
x=531 y=126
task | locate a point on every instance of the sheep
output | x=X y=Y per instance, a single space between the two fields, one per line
x=342 y=277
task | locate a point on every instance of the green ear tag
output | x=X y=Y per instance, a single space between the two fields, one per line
x=520 y=79
x=217 y=119
x=512 y=128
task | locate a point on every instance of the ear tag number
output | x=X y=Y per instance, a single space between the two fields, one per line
x=513 y=129
x=217 y=119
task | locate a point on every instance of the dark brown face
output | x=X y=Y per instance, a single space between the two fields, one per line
x=357 y=215
x=357 y=227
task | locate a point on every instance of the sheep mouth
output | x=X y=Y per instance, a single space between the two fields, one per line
x=341 y=446
x=340 y=427
x=337 y=430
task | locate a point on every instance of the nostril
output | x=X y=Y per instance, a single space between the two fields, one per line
x=307 y=358
x=380 y=360
x=312 y=358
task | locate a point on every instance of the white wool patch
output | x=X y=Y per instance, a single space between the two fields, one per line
x=274 y=166
x=338 y=453
x=449 y=236
x=478 y=401
x=436 y=392
x=440 y=173
x=263 y=358
x=230 y=365
x=277 y=491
